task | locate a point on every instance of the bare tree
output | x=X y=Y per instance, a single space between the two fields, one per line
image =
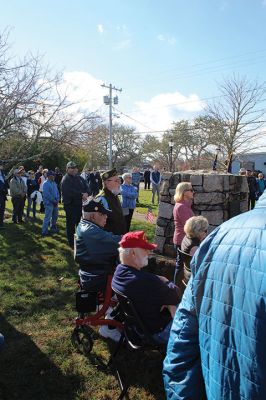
x=35 y=113
x=239 y=114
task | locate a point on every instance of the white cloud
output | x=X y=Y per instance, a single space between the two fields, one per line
x=156 y=114
x=83 y=88
x=100 y=28
x=162 y=109
x=171 y=40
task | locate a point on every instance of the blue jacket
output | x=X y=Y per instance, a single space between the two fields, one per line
x=50 y=193
x=129 y=195
x=218 y=337
x=96 y=249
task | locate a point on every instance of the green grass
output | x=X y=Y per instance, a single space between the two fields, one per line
x=145 y=197
x=37 y=314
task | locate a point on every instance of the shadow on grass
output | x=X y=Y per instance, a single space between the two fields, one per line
x=28 y=374
x=141 y=370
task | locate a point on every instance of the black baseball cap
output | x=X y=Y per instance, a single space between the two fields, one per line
x=95 y=205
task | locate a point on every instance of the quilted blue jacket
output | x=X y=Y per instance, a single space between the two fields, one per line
x=217 y=346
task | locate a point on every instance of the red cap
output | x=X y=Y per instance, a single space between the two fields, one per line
x=136 y=239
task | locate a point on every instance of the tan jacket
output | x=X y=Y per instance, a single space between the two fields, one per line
x=17 y=187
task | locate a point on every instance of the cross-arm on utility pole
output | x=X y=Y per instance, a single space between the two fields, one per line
x=108 y=100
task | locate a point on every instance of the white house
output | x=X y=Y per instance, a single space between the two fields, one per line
x=252 y=161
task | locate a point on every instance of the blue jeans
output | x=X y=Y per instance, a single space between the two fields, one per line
x=163 y=336
x=33 y=203
x=50 y=217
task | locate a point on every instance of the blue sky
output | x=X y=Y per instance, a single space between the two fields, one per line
x=166 y=55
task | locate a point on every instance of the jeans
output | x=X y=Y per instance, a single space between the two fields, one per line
x=155 y=189
x=73 y=215
x=33 y=203
x=18 y=205
x=51 y=215
x=2 y=208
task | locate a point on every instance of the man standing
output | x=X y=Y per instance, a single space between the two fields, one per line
x=74 y=191
x=109 y=196
x=253 y=189
x=50 y=199
x=218 y=338
x=136 y=179
x=150 y=293
x=18 y=191
x=58 y=178
x=94 y=183
x=3 y=194
x=155 y=180
x=147 y=179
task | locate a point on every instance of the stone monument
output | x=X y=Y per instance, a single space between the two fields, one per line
x=217 y=197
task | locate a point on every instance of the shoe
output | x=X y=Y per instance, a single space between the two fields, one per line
x=106 y=332
x=45 y=234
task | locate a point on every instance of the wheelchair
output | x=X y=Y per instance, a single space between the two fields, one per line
x=92 y=308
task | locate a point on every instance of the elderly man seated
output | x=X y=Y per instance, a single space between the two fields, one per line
x=150 y=293
x=96 y=250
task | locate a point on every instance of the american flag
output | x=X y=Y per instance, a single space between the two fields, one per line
x=149 y=216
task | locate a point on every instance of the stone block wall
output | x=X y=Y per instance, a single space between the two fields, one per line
x=217 y=197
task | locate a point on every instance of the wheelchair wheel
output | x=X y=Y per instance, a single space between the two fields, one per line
x=82 y=339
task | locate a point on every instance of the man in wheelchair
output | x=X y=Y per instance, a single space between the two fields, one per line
x=154 y=297
x=96 y=252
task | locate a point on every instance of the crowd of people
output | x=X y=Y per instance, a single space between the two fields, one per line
x=215 y=332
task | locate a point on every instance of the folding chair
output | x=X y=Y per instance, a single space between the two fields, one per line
x=135 y=336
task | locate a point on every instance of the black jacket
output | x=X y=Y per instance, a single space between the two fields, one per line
x=72 y=189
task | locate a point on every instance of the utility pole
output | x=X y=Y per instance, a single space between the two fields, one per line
x=108 y=100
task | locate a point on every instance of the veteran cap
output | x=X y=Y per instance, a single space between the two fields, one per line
x=71 y=164
x=109 y=174
x=95 y=205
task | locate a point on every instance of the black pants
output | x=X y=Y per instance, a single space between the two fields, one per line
x=2 y=208
x=128 y=218
x=73 y=215
x=18 y=206
x=251 y=202
x=147 y=184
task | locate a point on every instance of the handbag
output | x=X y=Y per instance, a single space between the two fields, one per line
x=86 y=301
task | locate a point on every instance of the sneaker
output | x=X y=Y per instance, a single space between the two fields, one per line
x=106 y=332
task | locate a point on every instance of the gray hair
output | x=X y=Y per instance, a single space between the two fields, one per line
x=126 y=175
x=195 y=226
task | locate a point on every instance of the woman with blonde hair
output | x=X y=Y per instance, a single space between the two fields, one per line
x=196 y=229
x=182 y=211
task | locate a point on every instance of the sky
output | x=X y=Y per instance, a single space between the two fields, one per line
x=168 y=56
